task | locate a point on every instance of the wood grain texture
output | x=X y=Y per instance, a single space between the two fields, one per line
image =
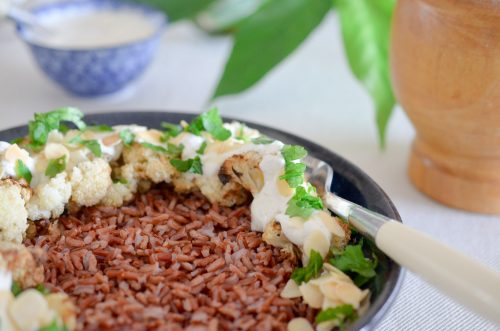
x=445 y=63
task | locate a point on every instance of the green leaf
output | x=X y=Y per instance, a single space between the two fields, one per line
x=341 y=314
x=190 y=165
x=172 y=150
x=202 y=148
x=54 y=327
x=40 y=127
x=294 y=170
x=155 y=148
x=127 y=137
x=171 y=130
x=22 y=171
x=267 y=37
x=55 y=166
x=312 y=270
x=91 y=144
x=99 y=128
x=42 y=289
x=17 y=141
x=353 y=261
x=366 y=30
x=178 y=9
x=303 y=203
x=293 y=152
x=240 y=135
x=120 y=181
x=262 y=140
x=212 y=122
x=16 y=289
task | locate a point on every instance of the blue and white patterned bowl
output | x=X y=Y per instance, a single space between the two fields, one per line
x=95 y=71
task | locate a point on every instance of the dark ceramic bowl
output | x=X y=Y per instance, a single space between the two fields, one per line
x=349 y=182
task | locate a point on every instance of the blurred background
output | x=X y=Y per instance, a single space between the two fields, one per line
x=316 y=90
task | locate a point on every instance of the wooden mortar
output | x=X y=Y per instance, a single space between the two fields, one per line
x=445 y=63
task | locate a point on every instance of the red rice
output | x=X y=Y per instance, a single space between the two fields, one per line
x=167 y=262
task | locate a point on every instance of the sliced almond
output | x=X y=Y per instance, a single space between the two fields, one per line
x=14 y=153
x=299 y=324
x=316 y=241
x=55 y=150
x=331 y=224
x=349 y=293
x=151 y=136
x=283 y=187
x=30 y=311
x=291 y=290
x=111 y=140
x=312 y=295
x=329 y=290
x=327 y=326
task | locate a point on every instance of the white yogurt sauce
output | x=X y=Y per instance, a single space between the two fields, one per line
x=9 y=154
x=93 y=28
x=297 y=229
x=5 y=280
x=191 y=143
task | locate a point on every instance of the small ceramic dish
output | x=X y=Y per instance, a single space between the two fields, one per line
x=94 y=71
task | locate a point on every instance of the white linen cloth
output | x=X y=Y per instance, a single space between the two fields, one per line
x=312 y=94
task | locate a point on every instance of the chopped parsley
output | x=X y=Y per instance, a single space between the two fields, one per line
x=171 y=130
x=127 y=137
x=312 y=270
x=303 y=203
x=341 y=314
x=16 y=289
x=22 y=171
x=42 y=289
x=202 y=148
x=18 y=141
x=240 y=134
x=92 y=144
x=40 y=127
x=54 y=327
x=262 y=140
x=55 y=166
x=210 y=122
x=172 y=150
x=294 y=169
x=120 y=181
x=353 y=261
x=99 y=128
x=190 y=165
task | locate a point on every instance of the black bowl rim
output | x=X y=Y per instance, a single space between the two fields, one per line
x=148 y=10
x=387 y=296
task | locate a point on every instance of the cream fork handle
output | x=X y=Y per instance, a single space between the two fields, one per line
x=470 y=283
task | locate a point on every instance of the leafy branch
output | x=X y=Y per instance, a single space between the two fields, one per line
x=265 y=32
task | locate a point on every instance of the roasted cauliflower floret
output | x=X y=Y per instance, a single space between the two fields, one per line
x=13 y=213
x=149 y=164
x=244 y=170
x=90 y=181
x=50 y=198
x=23 y=263
x=228 y=194
x=274 y=236
x=117 y=195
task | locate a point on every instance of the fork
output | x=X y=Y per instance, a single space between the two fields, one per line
x=468 y=282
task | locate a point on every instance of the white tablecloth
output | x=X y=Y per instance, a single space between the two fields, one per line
x=311 y=94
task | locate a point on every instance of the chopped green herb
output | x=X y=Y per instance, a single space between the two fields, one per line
x=294 y=170
x=55 y=166
x=210 y=122
x=303 y=203
x=341 y=314
x=202 y=148
x=262 y=140
x=171 y=130
x=42 y=289
x=22 y=171
x=18 y=141
x=353 y=261
x=172 y=150
x=190 y=165
x=127 y=137
x=120 y=181
x=40 y=127
x=312 y=270
x=54 y=327
x=99 y=128
x=91 y=144
x=63 y=128
x=16 y=289
x=240 y=135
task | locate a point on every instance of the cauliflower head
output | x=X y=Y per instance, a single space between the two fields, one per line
x=90 y=181
x=49 y=199
x=149 y=164
x=13 y=219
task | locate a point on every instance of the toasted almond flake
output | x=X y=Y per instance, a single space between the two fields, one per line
x=331 y=224
x=111 y=140
x=300 y=324
x=30 y=311
x=283 y=187
x=318 y=242
x=326 y=326
x=312 y=295
x=55 y=150
x=14 y=153
x=349 y=294
x=291 y=290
